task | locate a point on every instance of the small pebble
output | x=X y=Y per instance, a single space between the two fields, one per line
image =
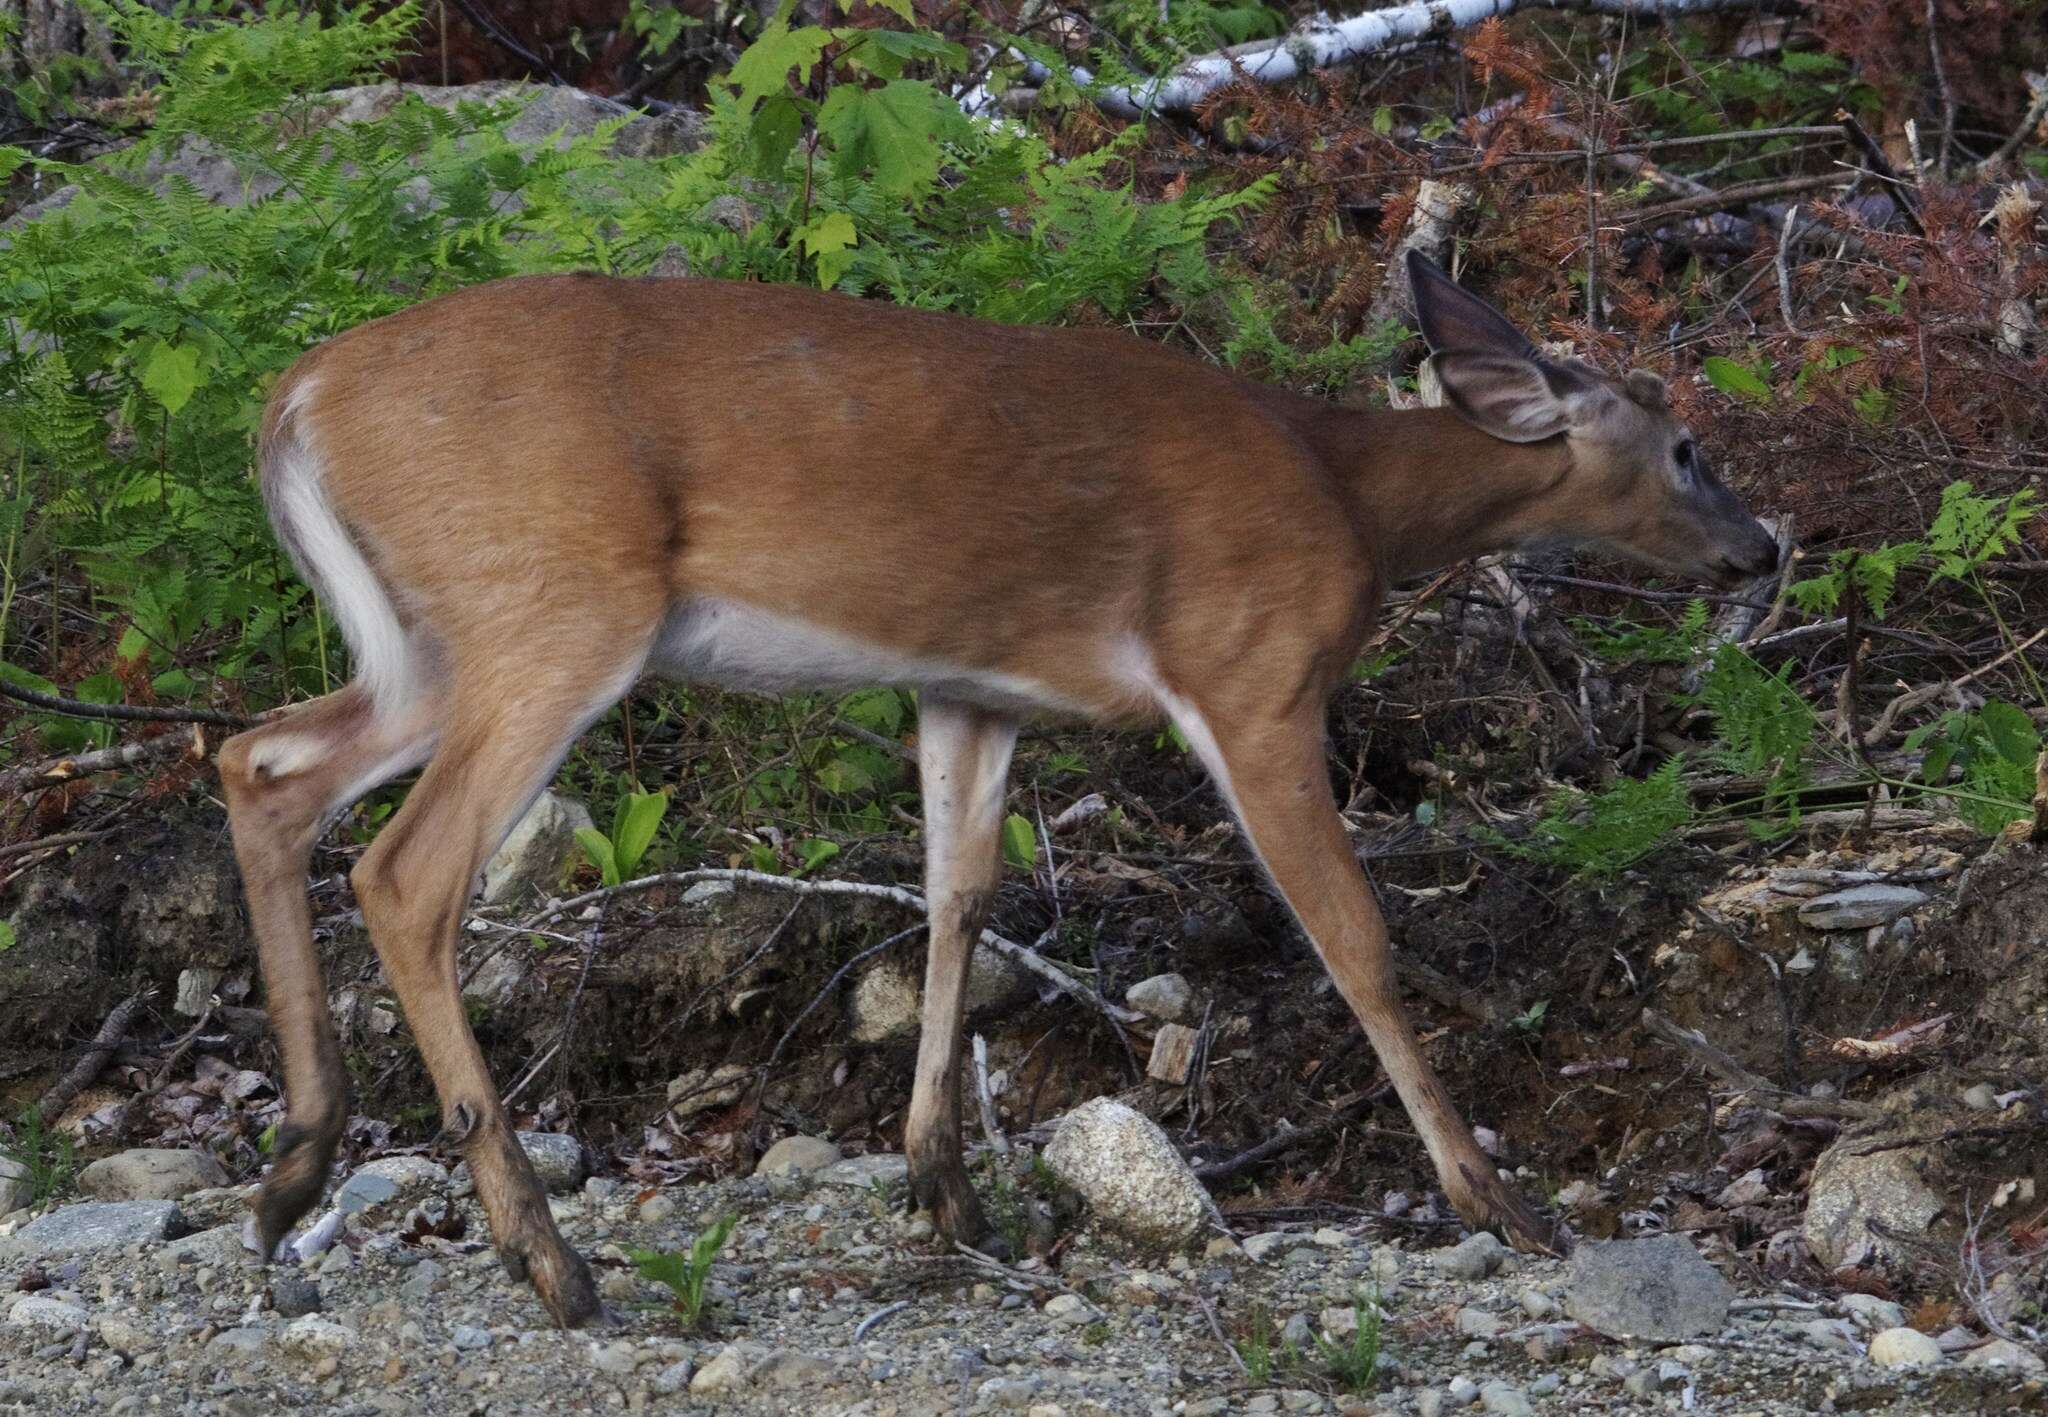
x=1904 y=1348
x=292 y=1295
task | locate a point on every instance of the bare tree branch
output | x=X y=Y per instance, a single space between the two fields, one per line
x=137 y=713
x=1024 y=955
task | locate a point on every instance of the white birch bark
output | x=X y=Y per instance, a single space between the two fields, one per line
x=1323 y=43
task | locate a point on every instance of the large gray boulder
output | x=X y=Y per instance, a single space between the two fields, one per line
x=17 y=1188
x=537 y=849
x=1129 y=1173
x=1656 y=1289
x=796 y=1155
x=1856 y=1196
x=550 y=112
x=887 y=1001
x=147 y=1173
x=91 y=1227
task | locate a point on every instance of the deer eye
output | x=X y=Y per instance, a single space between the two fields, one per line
x=1687 y=457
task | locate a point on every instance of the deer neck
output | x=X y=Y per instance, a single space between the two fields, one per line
x=1436 y=490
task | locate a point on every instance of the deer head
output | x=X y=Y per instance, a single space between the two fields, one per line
x=1636 y=481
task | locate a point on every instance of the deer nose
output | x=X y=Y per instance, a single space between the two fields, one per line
x=1765 y=559
x=1758 y=555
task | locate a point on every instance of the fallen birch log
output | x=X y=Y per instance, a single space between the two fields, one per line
x=1323 y=43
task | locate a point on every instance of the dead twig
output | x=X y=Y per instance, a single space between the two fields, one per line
x=1948 y=97
x=52 y=843
x=568 y=1033
x=736 y=971
x=2036 y=111
x=132 y=713
x=1320 y=44
x=1741 y=194
x=58 y=771
x=1790 y=1043
x=1024 y=955
x=2040 y=830
x=80 y=1074
x=775 y=1054
x=1208 y=1311
x=1285 y=1140
x=1760 y=1090
x=872 y=739
x=1784 y=264
x=502 y=37
x=866 y=1325
x=1881 y=167
x=1944 y=1137
x=1684 y=186
x=986 y=1100
x=1928 y=693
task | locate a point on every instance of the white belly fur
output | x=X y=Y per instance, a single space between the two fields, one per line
x=707 y=640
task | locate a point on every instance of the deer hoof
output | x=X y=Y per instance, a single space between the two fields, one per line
x=561 y=1280
x=950 y=1198
x=297 y=1176
x=1486 y=1202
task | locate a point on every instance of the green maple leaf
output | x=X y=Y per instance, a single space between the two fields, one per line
x=763 y=67
x=830 y=240
x=895 y=132
x=885 y=52
x=172 y=373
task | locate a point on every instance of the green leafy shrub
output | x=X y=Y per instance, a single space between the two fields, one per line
x=1600 y=834
x=1994 y=751
x=1649 y=644
x=687 y=1276
x=634 y=822
x=1353 y=1362
x=49 y=1156
x=1762 y=729
x=148 y=321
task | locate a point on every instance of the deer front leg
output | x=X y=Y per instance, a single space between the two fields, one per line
x=1274 y=772
x=963 y=756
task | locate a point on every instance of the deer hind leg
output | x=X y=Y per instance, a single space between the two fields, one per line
x=282 y=781
x=501 y=745
x=1274 y=772
x=963 y=758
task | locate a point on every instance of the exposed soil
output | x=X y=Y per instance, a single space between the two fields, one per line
x=657 y=990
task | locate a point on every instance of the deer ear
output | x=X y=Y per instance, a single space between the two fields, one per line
x=1647 y=389
x=1519 y=400
x=1452 y=317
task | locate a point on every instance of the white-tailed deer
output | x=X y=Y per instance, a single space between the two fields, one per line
x=519 y=498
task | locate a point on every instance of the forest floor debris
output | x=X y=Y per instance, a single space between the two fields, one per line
x=395 y=1319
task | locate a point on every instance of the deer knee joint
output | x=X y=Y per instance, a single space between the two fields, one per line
x=461 y=1124
x=241 y=764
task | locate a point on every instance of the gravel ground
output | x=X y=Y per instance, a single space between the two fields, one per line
x=829 y=1299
